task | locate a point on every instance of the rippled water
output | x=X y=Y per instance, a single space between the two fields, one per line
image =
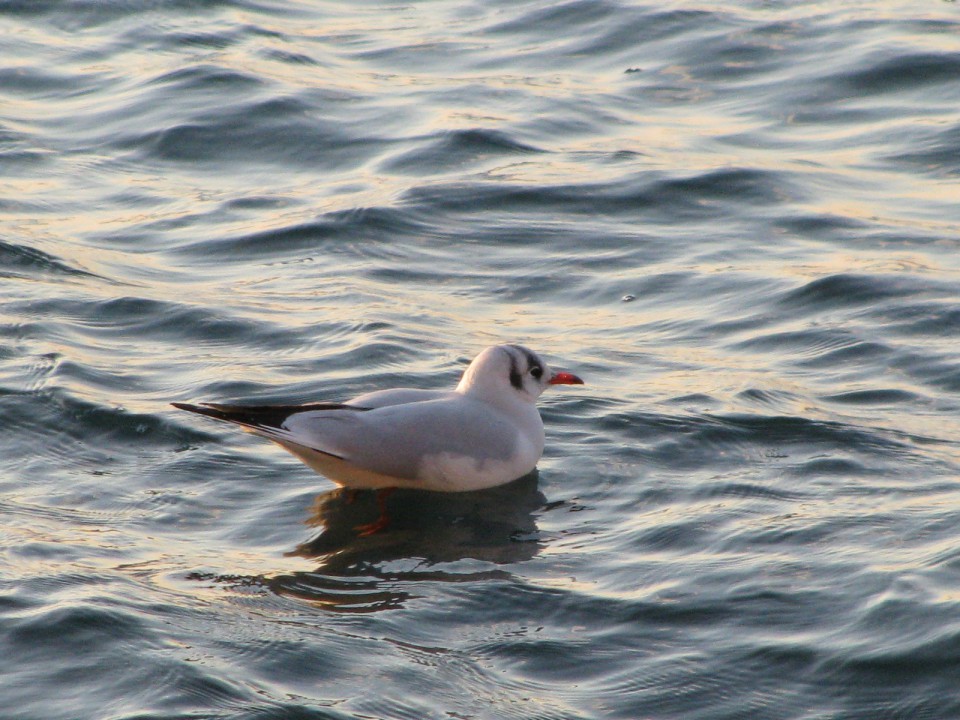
x=739 y=222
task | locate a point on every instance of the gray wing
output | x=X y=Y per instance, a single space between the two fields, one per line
x=398 y=396
x=396 y=439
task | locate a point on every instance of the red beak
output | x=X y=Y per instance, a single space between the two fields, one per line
x=564 y=378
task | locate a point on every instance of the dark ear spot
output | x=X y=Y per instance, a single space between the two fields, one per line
x=516 y=379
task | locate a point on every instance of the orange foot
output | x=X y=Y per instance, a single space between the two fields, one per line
x=381 y=522
x=368 y=529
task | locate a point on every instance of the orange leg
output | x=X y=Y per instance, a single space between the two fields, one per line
x=381 y=522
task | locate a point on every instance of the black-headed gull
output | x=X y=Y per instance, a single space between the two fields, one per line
x=485 y=432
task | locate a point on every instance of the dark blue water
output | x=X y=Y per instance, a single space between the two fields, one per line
x=739 y=222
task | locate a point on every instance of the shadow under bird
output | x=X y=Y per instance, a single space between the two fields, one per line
x=483 y=433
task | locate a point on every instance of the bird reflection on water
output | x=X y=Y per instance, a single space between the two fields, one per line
x=432 y=537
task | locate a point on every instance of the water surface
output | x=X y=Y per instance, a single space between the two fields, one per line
x=737 y=221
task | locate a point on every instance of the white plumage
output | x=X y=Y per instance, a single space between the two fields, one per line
x=485 y=432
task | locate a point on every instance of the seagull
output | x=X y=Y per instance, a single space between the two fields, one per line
x=483 y=433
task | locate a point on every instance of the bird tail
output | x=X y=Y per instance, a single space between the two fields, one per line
x=266 y=420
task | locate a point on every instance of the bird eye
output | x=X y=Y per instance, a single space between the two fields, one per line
x=537 y=372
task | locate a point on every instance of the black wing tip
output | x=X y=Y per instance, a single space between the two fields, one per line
x=208 y=409
x=248 y=416
x=253 y=416
x=262 y=418
x=201 y=408
x=188 y=407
